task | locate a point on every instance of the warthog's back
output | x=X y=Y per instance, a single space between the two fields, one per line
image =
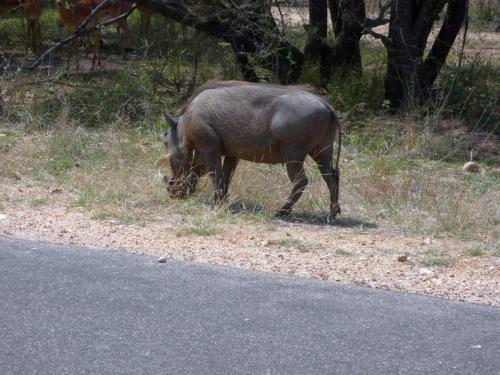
x=254 y=121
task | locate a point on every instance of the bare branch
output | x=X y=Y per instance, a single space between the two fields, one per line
x=80 y=31
x=385 y=40
x=369 y=23
x=92 y=14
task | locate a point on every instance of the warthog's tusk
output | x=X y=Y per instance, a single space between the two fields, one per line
x=164 y=161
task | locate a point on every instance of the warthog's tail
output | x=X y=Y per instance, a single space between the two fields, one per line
x=339 y=121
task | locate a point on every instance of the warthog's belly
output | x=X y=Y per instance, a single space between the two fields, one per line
x=269 y=154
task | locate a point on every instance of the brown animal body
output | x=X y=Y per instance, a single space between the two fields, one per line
x=79 y=10
x=73 y=16
x=32 y=10
x=145 y=15
x=255 y=122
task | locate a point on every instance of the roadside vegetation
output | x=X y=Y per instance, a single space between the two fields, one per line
x=96 y=138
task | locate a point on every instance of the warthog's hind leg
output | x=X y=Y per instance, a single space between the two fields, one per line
x=228 y=168
x=324 y=161
x=296 y=174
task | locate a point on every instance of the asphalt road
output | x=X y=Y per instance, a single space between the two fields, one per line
x=69 y=310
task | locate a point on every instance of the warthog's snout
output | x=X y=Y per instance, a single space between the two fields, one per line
x=167 y=180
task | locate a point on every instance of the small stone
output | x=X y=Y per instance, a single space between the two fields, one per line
x=162 y=260
x=323 y=275
x=402 y=258
x=425 y=271
x=476 y=346
x=265 y=243
x=471 y=167
x=426 y=241
x=3 y=216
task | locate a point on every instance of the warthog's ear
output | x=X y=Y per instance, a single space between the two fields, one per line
x=172 y=121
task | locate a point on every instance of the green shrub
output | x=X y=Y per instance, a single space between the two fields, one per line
x=471 y=92
x=346 y=92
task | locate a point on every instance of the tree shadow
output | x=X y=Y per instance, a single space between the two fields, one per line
x=314 y=218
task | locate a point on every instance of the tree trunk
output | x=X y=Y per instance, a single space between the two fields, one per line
x=246 y=24
x=346 y=52
x=336 y=16
x=409 y=76
x=317 y=30
x=429 y=70
x=343 y=55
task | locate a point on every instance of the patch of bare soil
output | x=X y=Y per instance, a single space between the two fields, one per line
x=370 y=257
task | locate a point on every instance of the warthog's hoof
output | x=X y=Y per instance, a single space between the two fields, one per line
x=284 y=212
x=334 y=210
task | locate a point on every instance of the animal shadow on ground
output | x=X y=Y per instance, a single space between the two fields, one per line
x=314 y=218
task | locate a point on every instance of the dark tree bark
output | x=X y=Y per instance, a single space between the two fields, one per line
x=346 y=52
x=410 y=76
x=335 y=15
x=343 y=54
x=246 y=24
x=429 y=70
x=317 y=30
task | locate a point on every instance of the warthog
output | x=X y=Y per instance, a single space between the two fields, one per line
x=255 y=122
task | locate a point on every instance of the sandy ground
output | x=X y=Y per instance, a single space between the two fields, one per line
x=330 y=253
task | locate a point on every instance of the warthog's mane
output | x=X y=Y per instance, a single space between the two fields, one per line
x=215 y=84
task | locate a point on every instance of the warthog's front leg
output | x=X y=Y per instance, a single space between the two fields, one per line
x=209 y=146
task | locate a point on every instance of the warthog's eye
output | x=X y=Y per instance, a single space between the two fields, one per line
x=168 y=180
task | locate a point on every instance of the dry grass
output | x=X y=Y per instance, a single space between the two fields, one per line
x=112 y=174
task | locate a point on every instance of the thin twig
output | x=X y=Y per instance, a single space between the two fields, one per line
x=92 y=15
x=78 y=33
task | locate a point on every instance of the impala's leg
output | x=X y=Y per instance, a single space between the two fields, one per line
x=295 y=169
x=37 y=37
x=29 y=33
x=77 y=54
x=145 y=25
x=123 y=25
x=230 y=164
x=323 y=159
x=98 y=47
x=97 y=50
